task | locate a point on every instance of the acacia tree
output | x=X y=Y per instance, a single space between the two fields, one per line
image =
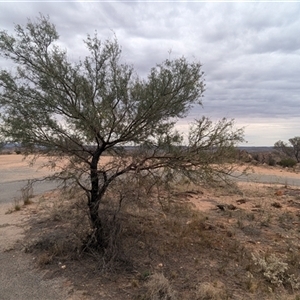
x=85 y=109
x=291 y=149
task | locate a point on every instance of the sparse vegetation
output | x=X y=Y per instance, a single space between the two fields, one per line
x=181 y=252
x=159 y=288
x=17 y=207
x=27 y=192
x=276 y=270
x=211 y=291
x=287 y=162
x=291 y=149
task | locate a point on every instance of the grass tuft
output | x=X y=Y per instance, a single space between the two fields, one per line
x=159 y=288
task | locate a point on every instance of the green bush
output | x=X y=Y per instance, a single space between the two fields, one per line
x=272 y=162
x=287 y=162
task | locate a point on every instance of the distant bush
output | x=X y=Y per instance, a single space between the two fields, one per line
x=272 y=162
x=287 y=162
x=291 y=149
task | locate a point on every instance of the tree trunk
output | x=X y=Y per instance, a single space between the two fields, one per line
x=94 y=203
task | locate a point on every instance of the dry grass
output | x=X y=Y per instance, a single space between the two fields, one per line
x=211 y=291
x=16 y=207
x=188 y=248
x=159 y=288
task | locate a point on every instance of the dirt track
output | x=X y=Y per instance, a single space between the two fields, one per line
x=19 y=280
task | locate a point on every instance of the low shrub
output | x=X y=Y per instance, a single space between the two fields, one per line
x=159 y=288
x=212 y=291
x=275 y=270
x=272 y=162
x=287 y=162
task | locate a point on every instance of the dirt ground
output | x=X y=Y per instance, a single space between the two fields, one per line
x=238 y=242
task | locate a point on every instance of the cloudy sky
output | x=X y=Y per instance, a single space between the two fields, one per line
x=250 y=52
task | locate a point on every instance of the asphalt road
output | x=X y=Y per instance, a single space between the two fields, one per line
x=11 y=191
x=14 y=175
x=19 y=277
x=266 y=178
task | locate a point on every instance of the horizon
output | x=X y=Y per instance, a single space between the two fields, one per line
x=12 y=145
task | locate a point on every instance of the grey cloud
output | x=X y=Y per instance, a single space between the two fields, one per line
x=250 y=51
x=285 y=41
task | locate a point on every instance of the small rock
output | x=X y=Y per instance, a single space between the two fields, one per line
x=229 y=234
x=276 y=204
x=241 y=201
x=221 y=206
x=141 y=245
x=231 y=207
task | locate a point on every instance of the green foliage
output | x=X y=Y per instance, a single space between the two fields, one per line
x=98 y=100
x=287 y=162
x=17 y=207
x=2 y=142
x=275 y=270
x=272 y=162
x=85 y=109
x=291 y=149
x=272 y=267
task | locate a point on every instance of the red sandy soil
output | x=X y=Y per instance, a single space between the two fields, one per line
x=257 y=217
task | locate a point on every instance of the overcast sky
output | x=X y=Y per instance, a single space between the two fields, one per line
x=250 y=52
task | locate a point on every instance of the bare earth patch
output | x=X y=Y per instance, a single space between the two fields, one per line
x=14 y=167
x=223 y=243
